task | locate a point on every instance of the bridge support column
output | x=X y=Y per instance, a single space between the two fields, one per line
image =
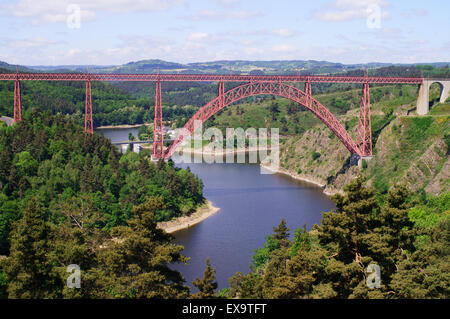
x=364 y=135
x=88 y=122
x=365 y=159
x=157 y=124
x=17 y=103
x=220 y=93
x=423 y=103
x=308 y=92
x=445 y=91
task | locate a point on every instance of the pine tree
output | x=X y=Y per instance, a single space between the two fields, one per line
x=349 y=225
x=394 y=232
x=425 y=273
x=206 y=285
x=281 y=233
x=346 y=232
x=135 y=263
x=27 y=268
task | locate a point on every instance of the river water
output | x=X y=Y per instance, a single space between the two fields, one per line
x=251 y=204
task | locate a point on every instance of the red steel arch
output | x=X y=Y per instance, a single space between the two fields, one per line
x=257 y=88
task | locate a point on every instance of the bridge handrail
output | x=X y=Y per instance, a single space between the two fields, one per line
x=206 y=78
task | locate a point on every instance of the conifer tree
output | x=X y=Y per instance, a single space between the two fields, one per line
x=425 y=273
x=27 y=268
x=206 y=285
x=394 y=232
x=281 y=233
x=135 y=263
x=346 y=232
x=349 y=225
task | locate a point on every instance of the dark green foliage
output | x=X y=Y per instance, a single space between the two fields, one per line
x=128 y=262
x=315 y=155
x=50 y=158
x=135 y=262
x=27 y=268
x=69 y=199
x=206 y=285
x=425 y=273
x=331 y=260
x=281 y=233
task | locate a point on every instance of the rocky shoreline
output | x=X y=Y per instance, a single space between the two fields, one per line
x=184 y=222
x=303 y=179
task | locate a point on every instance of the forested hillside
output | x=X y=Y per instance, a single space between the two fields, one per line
x=406 y=147
x=49 y=159
x=111 y=105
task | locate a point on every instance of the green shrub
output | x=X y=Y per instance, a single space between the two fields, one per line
x=315 y=155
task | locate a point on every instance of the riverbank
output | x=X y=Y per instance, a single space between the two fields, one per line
x=202 y=213
x=297 y=177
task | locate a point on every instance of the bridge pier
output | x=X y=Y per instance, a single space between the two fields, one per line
x=17 y=102
x=363 y=158
x=88 y=121
x=423 y=101
x=158 y=147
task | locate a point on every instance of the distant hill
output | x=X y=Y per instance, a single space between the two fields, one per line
x=219 y=67
x=6 y=67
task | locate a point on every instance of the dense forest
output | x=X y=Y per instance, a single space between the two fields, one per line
x=48 y=158
x=69 y=198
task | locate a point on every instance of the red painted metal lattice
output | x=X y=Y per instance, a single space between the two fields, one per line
x=88 y=122
x=207 y=78
x=364 y=135
x=255 y=84
x=158 y=136
x=17 y=103
x=256 y=88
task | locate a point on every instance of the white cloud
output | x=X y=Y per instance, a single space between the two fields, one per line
x=197 y=36
x=51 y=11
x=283 y=48
x=283 y=32
x=420 y=12
x=231 y=14
x=343 y=10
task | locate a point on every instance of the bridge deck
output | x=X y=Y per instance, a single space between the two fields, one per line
x=205 y=78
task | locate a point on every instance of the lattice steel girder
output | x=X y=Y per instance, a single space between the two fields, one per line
x=17 y=102
x=364 y=135
x=158 y=136
x=206 y=78
x=88 y=122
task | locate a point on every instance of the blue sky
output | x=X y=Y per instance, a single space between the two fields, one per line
x=44 y=32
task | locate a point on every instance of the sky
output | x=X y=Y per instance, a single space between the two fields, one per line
x=111 y=32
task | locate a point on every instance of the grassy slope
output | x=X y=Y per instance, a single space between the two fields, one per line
x=406 y=147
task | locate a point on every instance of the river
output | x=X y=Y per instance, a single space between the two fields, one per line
x=251 y=204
